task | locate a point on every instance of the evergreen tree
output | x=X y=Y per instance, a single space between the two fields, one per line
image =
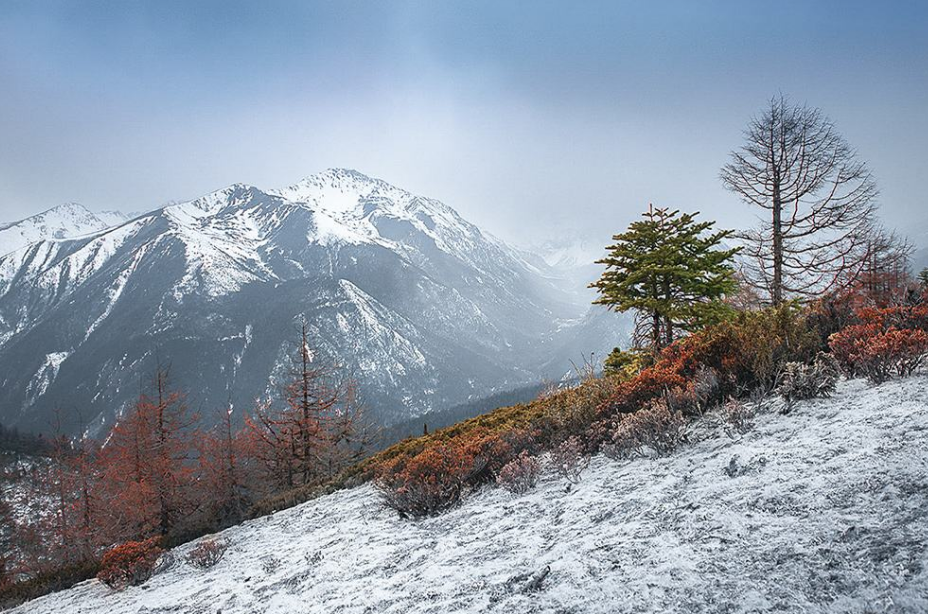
x=667 y=267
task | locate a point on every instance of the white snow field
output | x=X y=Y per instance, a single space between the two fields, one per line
x=821 y=510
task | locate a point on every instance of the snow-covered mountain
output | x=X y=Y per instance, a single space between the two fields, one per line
x=61 y=222
x=425 y=308
x=821 y=510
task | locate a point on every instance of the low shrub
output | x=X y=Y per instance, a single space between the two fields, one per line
x=807 y=381
x=655 y=428
x=207 y=553
x=570 y=459
x=700 y=392
x=130 y=564
x=887 y=342
x=520 y=474
x=426 y=484
x=738 y=416
x=572 y=410
x=435 y=478
x=490 y=452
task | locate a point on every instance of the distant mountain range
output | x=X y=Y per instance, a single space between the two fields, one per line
x=426 y=310
x=62 y=222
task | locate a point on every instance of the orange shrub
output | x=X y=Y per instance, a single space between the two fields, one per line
x=867 y=350
x=435 y=478
x=426 y=484
x=130 y=564
x=887 y=342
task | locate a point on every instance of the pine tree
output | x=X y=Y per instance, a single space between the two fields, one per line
x=669 y=269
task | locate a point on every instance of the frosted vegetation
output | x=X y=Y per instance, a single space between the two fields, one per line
x=823 y=509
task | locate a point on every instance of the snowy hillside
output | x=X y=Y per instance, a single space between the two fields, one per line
x=822 y=510
x=426 y=309
x=63 y=222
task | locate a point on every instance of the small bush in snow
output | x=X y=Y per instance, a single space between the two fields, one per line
x=270 y=564
x=738 y=416
x=653 y=428
x=570 y=459
x=207 y=553
x=426 y=484
x=520 y=474
x=800 y=381
x=130 y=564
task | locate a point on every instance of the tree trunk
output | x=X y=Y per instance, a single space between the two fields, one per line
x=776 y=291
x=656 y=331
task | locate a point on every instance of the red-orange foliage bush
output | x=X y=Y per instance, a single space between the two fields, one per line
x=887 y=342
x=491 y=451
x=434 y=479
x=426 y=484
x=130 y=564
x=867 y=350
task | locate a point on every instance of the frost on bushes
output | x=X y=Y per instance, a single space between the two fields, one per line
x=520 y=475
x=207 y=553
x=738 y=416
x=570 y=459
x=890 y=342
x=270 y=564
x=655 y=428
x=130 y=564
x=800 y=381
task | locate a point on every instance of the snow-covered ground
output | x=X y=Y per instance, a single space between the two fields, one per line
x=822 y=510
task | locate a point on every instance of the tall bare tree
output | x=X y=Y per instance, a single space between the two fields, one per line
x=818 y=198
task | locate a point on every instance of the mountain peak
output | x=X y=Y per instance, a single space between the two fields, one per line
x=341 y=191
x=63 y=221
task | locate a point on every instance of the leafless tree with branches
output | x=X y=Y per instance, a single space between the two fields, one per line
x=818 y=198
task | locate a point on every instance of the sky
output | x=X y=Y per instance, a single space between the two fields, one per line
x=535 y=120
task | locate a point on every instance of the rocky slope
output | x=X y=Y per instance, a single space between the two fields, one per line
x=822 y=510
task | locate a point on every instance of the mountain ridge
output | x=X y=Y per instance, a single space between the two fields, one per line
x=427 y=308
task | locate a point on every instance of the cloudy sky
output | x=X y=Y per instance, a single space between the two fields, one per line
x=530 y=118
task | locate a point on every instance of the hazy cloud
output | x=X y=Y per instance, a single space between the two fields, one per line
x=526 y=117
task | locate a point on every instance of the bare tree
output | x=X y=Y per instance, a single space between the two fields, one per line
x=885 y=276
x=819 y=198
x=321 y=428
